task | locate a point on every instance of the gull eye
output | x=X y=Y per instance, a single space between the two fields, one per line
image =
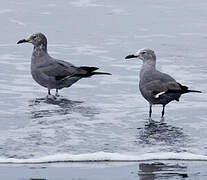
x=144 y=52
x=34 y=37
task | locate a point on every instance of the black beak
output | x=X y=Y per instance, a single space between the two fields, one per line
x=131 y=56
x=22 y=41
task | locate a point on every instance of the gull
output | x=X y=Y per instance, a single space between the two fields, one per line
x=52 y=73
x=157 y=87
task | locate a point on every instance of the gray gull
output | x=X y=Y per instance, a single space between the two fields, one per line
x=52 y=73
x=157 y=87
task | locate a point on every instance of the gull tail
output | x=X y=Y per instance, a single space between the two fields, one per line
x=185 y=89
x=100 y=73
x=89 y=71
x=193 y=91
x=181 y=91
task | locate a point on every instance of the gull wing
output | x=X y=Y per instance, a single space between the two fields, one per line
x=58 y=69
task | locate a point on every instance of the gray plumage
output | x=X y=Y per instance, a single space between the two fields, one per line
x=52 y=73
x=157 y=87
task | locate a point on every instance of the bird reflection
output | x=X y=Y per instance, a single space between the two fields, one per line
x=64 y=106
x=161 y=133
x=153 y=171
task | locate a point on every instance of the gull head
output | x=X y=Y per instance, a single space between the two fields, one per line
x=145 y=54
x=36 y=39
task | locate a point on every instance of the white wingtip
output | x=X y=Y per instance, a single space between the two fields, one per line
x=159 y=94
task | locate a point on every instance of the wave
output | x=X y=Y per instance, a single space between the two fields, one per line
x=104 y=156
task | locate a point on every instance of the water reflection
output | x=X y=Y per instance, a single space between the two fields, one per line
x=60 y=106
x=161 y=133
x=152 y=171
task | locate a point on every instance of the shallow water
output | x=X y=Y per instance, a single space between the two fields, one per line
x=172 y=170
x=143 y=171
x=103 y=113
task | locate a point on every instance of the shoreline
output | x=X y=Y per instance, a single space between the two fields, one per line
x=101 y=157
x=105 y=170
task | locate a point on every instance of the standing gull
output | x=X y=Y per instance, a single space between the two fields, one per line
x=53 y=73
x=157 y=87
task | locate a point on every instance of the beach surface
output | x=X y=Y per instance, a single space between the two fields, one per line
x=147 y=170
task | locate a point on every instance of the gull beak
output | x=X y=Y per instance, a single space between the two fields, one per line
x=131 y=56
x=22 y=41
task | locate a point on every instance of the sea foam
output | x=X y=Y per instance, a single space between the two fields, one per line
x=104 y=156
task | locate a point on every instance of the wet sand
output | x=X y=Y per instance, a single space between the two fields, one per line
x=147 y=170
x=102 y=114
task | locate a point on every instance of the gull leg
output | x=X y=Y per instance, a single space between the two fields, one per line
x=150 y=113
x=50 y=96
x=56 y=94
x=49 y=92
x=163 y=113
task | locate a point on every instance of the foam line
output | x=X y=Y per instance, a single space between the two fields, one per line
x=103 y=156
